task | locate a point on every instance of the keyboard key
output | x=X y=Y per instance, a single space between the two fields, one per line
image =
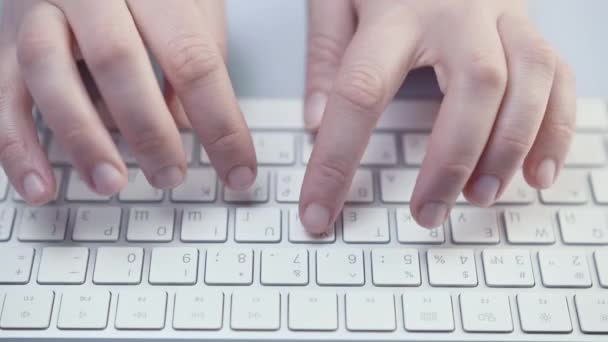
x=414 y=148
x=471 y=225
x=395 y=267
x=198 y=310
x=84 y=309
x=583 y=226
x=78 y=191
x=42 y=224
x=365 y=225
x=199 y=187
x=408 y=231
x=486 y=312
x=451 y=267
x=508 y=268
x=368 y=311
x=313 y=311
x=141 y=309
x=257 y=193
x=56 y=153
x=229 y=266
x=257 y=225
x=298 y=234
x=529 y=226
x=274 y=148
x=544 y=313
x=362 y=188
x=601 y=264
x=592 y=312
x=27 y=309
x=118 y=265
x=599 y=184
x=173 y=266
x=586 y=149
x=381 y=150
x=340 y=266
x=284 y=266
x=255 y=310
x=397 y=186
x=204 y=224
x=591 y=114
x=7 y=218
x=97 y=224
x=428 y=312
x=569 y=188
x=289 y=183
x=3 y=184
x=563 y=268
x=204 y=157
x=517 y=192
x=16 y=265
x=151 y=224
x=63 y=265
x=138 y=189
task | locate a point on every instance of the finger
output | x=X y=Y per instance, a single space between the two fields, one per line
x=116 y=56
x=46 y=61
x=531 y=64
x=331 y=25
x=476 y=80
x=193 y=64
x=175 y=106
x=374 y=65
x=546 y=158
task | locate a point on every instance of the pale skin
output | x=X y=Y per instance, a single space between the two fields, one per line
x=509 y=100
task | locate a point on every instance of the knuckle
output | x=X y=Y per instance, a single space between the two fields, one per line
x=191 y=59
x=106 y=54
x=484 y=69
x=513 y=144
x=225 y=141
x=149 y=143
x=363 y=87
x=324 y=50
x=540 y=56
x=33 y=49
x=333 y=173
x=455 y=170
x=563 y=128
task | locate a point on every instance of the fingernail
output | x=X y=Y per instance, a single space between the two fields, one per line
x=484 y=190
x=315 y=107
x=432 y=214
x=316 y=218
x=168 y=178
x=545 y=173
x=240 y=178
x=107 y=180
x=33 y=187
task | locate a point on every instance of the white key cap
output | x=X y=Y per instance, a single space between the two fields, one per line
x=592 y=312
x=151 y=224
x=257 y=193
x=508 y=268
x=255 y=310
x=42 y=224
x=199 y=186
x=257 y=225
x=84 y=309
x=529 y=226
x=547 y=313
x=138 y=189
x=313 y=311
x=78 y=190
x=118 y=265
x=408 y=231
x=583 y=226
x=284 y=266
x=7 y=218
x=397 y=186
x=381 y=150
x=599 y=184
x=362 y=188
x=591 y=114
x=517 y=192
x=340 y=266
x=429 y=312
x=27 y=309
x=298 y=234
x=97 y=224
x=601 y=265
x=365 y=225
x=564 y=268
x=289 y=183
x=414 y=147
x=56 y=153
x=368 y=311
x=198 y=310
x=395 y=267
x=307 y=146
x=486 y=312
x=229 y=266
x=141 y=309
x=173 y=266
x=16 y=265
x=204 y=157
x=3 y=184
x=204 y=224
x=569 y=188
x=451 y=267
x=586 y=149
x=472 y=225
x=274 y=148
x=63 y=265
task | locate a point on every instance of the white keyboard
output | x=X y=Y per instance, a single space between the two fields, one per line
x=202 y=262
